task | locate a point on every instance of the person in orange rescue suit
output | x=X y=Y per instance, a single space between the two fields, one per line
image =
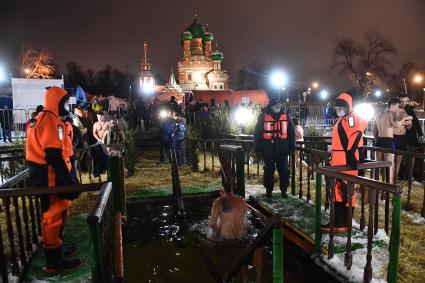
x=274 y=139
x=46 y=149
x=347 y=135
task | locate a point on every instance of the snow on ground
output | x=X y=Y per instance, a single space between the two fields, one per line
x=380 y=252
x=414 y=217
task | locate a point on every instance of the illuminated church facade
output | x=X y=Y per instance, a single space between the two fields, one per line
x=200 y=66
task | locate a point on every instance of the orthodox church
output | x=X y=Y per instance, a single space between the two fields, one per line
x=200 y=66
x=199 y=73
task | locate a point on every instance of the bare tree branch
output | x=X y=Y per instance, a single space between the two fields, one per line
x=37 y=64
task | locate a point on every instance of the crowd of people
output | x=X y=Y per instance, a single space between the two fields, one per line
x=55 y=131
x=396 y=128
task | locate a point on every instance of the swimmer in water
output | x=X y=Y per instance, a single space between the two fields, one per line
x=228 y=216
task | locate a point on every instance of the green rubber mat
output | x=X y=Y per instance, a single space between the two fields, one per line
x=77 y=232
x=168 y=191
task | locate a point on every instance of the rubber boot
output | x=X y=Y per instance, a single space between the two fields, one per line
x=69 y=250
x=55 y=261
x=284 y=193
x=269 y=193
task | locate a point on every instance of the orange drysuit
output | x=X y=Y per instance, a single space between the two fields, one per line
x=46 y=139
x=347 y=135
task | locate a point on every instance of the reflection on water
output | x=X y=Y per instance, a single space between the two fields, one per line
x=164 y=246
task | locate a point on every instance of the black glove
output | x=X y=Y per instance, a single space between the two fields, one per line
x=63 y=177
x=351 y=159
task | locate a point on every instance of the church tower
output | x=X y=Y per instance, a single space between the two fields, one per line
x=147 y=78
x=200 y=67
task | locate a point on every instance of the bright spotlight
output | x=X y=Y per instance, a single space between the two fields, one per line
x=163 y=114
x=278 y=79
x=324 y=94
x=3 y=75
x=365 y=111
x=147 y=89
x=418 y=79
x=378 y=93
x=243 y=116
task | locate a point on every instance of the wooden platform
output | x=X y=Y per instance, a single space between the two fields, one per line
x=76 y=232
x=298 y=222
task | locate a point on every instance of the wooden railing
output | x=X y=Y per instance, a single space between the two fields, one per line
x=235 y=156
x=273 y=230
x=373 y=188
x=21 y=212
x=20 y=225
x=411 y=156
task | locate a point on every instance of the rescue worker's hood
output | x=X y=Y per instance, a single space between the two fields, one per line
x=345 y=100
x=54 y=101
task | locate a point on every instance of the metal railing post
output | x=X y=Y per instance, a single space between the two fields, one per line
x=278 y=253
x=318 y=214
x=240 y=172
x=395 y=239
x=293 y=173
x=117 y=188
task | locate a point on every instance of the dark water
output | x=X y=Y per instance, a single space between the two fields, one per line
x=164 y=246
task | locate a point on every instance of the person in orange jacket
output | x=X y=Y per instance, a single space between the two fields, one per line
x=45 y=151
x=347 y=135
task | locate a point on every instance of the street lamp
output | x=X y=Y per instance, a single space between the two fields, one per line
x=315 y=85
x=324 y=94
x=3 y=75
x=418 y=78
x=278 y=80
x=378 y=93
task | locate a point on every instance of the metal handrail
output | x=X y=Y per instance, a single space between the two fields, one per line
x=97 y=210
x=23 y=192
x=275 y=220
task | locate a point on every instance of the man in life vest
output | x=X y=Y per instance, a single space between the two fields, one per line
x=347 y=135
x=274 y=139
x=46 y=151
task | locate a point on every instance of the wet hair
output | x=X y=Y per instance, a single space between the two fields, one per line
x=392 y=100
x=295 y=121
x=403 y=95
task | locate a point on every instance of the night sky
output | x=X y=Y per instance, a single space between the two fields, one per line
x=295 y=35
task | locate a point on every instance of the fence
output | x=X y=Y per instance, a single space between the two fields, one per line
x=411 y=157
x=13 y=123
x=373 y=188
x=311 y=151
x=232 y=174
x=12 y=161
x=21 y=213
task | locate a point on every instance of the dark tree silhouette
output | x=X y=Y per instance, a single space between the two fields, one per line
x=365 y=61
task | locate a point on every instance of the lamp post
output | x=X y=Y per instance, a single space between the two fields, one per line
x=278 y=80
x=3 y=76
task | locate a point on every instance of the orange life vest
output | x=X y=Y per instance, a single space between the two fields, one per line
x=273 y=129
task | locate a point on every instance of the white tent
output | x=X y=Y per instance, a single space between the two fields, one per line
x=28 y=93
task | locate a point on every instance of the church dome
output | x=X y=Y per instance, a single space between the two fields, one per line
x=208 y=36
x=196 y=29
x=217 y=56
x=187 y=35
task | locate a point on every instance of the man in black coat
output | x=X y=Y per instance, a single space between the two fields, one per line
x=412 y=135
x=274 y=139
